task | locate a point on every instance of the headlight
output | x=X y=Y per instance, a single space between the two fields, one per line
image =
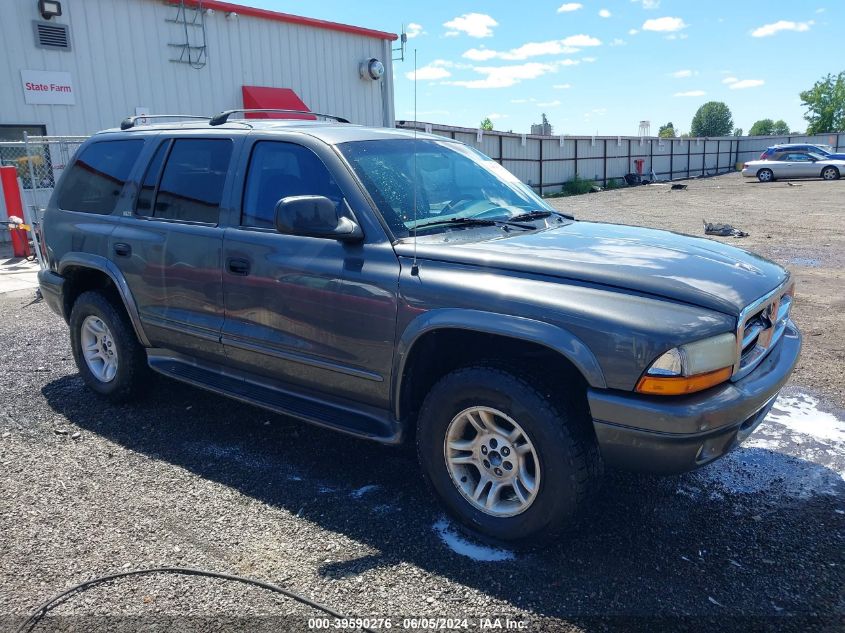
x=690 y=368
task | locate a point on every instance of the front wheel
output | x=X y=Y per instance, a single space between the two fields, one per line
x=511 y=465
x=765 y=175
x=830 y=173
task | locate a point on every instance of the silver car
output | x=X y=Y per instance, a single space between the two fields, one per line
x=794 y=165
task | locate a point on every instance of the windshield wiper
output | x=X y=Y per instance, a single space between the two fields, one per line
x=473 y=222
x=539 y=215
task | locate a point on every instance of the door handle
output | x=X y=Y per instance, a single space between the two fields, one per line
x=238 y=266
x=123 y=250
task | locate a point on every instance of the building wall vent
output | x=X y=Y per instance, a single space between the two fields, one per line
x=51 y=35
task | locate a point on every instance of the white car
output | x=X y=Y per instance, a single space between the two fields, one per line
x=794 y=165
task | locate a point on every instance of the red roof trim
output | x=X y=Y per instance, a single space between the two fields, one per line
x=292 y=19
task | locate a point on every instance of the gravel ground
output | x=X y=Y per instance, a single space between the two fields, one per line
x=186 y=478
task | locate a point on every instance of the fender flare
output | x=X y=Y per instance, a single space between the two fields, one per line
x=108 y=267
x=551 y=336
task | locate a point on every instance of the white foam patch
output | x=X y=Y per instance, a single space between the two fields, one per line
x=463 y=546
x=363 y=490
x=800 y=414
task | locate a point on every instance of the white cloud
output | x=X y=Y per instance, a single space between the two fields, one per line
x=548 y=104
x=531 y=100
x=729 y=80
x=495 y=116
x=604 y=13
x=562 y=86
x=505 y=76
x=664 y=25
x=682 y=74
x=567 y=46
x=781 y=25
x=618 y=42
x=632 y=31
x=414 y=30
x=677 y=36
x=691 y=93
x=746 y=83
x=588 y=60
x=821 y=10
x=473 y=24
x=649 y=4
x=431 y=72
x=569 y=7
x=581 y=41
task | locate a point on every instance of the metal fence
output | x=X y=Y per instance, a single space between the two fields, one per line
x=39 y=161
x=546 y=163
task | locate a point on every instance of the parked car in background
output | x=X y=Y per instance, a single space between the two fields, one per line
x=794 y=165
x=404 y=286
x=775 y=151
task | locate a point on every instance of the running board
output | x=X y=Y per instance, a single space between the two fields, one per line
x=362 y=424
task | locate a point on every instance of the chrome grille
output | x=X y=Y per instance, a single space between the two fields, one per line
x=760 y=327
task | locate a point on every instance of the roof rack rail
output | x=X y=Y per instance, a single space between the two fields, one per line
x=129 y=122
x=221 y=118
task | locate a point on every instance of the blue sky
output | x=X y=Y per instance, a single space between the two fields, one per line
x=600 y=66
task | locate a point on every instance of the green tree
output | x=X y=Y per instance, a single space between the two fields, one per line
x=737 y=131
x=767 y=127
x=712 y=119
x=825 y=103
x=763 y=127
x=486 y=124
x=780 y=128
x=667 y=131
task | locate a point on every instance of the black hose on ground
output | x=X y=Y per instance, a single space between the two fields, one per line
x=45 y=606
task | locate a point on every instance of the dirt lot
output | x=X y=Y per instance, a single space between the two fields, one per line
x=753 y=542
x=800 y=225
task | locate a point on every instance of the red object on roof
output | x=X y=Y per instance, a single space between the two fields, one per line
x=240 y=9
x=282 y=98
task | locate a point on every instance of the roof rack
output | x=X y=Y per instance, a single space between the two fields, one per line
x=220 y=119
x=129 y=122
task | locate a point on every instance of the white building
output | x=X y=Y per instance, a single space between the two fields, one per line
x=102 y=60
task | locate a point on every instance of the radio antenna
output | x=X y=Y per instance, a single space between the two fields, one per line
x=415 y=269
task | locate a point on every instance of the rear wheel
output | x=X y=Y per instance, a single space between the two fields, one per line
x=509 y=464
x=110 y=359
x=765 y=175
x=830 y=173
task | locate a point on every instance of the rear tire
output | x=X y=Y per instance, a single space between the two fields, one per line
x=765 y=175
x=110 y=359
x=830 y=173
x=523 y=436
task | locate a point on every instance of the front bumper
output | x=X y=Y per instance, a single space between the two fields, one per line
x=52 y=289
x=676 y=434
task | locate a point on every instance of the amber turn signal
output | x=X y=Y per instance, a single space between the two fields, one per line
x=680 y=385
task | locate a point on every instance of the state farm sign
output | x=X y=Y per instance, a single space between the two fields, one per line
x=45 y=87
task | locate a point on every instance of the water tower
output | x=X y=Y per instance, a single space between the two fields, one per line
x=645 y=128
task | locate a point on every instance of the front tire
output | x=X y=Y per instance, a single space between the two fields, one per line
x=830 y=173
x=765 y=175
x=511 y=465
x=110 y=359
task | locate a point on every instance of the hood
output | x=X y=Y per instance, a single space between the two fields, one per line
x=693 y=270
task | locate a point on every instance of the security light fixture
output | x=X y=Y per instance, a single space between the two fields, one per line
x=372 y=69
x=49 y=8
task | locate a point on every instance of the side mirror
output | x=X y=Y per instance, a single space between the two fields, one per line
x=315 y=216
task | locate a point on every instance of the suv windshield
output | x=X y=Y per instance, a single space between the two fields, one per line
x=453 y=181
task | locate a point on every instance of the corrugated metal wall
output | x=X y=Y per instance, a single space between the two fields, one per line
x=120 y=60
x=546 y=162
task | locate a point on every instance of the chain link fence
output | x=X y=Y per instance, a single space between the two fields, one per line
x=39 y=161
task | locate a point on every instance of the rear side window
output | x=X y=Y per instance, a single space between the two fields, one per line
x=278 y=170
x=94 y=182
x=191 y=187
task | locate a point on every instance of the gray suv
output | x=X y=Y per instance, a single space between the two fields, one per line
x=402 y=287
